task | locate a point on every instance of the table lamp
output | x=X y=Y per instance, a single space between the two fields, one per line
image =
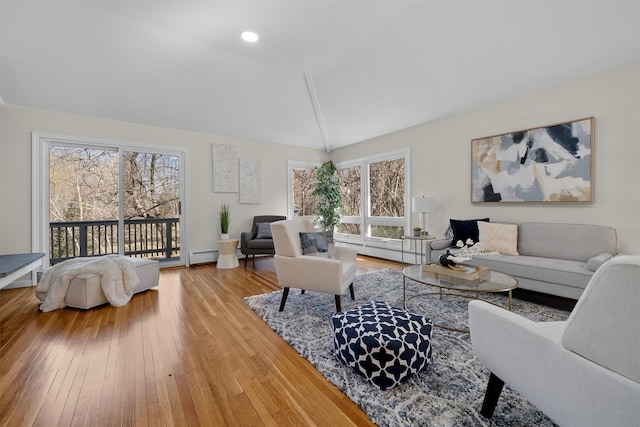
x=424 y=205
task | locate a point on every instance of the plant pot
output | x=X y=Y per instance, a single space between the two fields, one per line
x=416 y=234
x=224 y=236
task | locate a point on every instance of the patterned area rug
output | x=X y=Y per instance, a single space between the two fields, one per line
x=448 y=393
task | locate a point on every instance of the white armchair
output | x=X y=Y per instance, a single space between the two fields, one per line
x=581 y=372
x=307 y=272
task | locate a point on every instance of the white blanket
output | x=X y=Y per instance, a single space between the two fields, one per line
x=117 y=273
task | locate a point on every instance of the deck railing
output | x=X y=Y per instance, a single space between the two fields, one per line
x=143 y=238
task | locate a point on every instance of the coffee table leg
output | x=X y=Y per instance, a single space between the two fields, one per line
x=404 y=292
x=509 y=299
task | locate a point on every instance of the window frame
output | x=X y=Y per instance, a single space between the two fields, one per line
x=365 y=220
x=40 y=143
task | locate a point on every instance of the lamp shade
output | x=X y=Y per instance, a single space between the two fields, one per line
x=423 y=204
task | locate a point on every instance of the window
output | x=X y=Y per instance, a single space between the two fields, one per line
x=300 y=188
x=374 y=195
x=350 y=187
x=374 y=192
x=386 y=198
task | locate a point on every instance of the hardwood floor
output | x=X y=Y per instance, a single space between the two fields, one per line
x=186 y=353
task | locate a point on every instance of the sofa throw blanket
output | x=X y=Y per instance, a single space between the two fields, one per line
x=117 y=273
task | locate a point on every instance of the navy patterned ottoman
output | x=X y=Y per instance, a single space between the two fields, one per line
x=386 y=345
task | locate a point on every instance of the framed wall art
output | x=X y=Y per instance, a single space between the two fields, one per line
x=250 y=180
x=548 y=164
x=225 y=168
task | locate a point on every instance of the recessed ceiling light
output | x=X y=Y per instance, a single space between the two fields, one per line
x=249 y=36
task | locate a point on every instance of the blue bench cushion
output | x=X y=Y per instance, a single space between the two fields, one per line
x=386 y=345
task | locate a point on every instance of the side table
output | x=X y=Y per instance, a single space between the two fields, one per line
x=417 y=240
x=227 y=257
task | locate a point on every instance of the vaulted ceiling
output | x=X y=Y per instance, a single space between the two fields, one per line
x=324 y=73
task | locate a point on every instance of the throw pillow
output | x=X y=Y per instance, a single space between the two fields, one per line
x=440 y=244
x=314 y=242
x=497 y=237
x=264 y=230
x=594 y=263
x=465 y=229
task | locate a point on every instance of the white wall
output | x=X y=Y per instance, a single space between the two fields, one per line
x=441 y=151
x=440 y=167
x=17 y=123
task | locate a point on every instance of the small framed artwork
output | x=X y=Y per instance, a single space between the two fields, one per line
x=548 y=164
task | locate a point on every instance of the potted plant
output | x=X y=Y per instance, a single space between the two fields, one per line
x=327 y=193
x=225 y=219
x=416 y=231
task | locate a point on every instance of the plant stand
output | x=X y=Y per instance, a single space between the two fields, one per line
x=227 y=257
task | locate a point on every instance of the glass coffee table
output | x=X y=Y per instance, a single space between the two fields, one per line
x=494 y=283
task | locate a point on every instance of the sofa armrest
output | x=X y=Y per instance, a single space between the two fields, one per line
x=317 y=273
x=436 y=245
x=346 y=254
x=245 y=236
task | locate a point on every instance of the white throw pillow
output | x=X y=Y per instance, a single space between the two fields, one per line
x=498 y=237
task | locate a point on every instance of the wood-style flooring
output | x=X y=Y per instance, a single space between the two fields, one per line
x=187 y=353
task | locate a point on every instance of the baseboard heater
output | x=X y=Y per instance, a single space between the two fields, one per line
x=203 y=257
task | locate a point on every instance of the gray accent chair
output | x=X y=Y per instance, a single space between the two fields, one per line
x=251 y=245
x=584 y=371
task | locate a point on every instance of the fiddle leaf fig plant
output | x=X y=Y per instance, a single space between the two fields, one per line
x=328 y=196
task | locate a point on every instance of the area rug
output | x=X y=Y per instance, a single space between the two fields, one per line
x=448 y=393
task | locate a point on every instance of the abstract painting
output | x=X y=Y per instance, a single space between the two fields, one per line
x=225 y=168
x=550 y=164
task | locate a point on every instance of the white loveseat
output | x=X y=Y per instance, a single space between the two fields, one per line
x=554 y=259
x=581 y=372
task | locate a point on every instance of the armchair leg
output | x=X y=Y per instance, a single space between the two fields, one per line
x=246 y=258
x=353 y=295
x=338 y=304
x=491 y=396
x=285 y=294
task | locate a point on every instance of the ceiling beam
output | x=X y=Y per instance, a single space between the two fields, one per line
x=313 y=95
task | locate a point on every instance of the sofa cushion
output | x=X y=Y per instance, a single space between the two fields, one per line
x=577 y=242
x=264 y=230
x=498 y=237
x=568 y=273
x=260 y=244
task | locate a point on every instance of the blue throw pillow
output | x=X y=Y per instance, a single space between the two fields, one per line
x=264 y=230
x=314 y=242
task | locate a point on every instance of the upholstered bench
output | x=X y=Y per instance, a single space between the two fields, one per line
x=386 y=345
x=85 y=290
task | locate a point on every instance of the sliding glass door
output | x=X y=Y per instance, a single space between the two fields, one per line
x=98 y=199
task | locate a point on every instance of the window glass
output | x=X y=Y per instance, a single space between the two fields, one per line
x=350 y=190
x=303 y=203
x=386 y=187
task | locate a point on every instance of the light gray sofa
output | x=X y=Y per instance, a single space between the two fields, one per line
x=554 y=259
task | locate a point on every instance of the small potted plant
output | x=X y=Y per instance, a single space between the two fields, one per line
x=225 y=219
x=416 y=231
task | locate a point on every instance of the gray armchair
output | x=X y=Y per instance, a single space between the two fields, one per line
x=251 y=243
x=584 y=371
